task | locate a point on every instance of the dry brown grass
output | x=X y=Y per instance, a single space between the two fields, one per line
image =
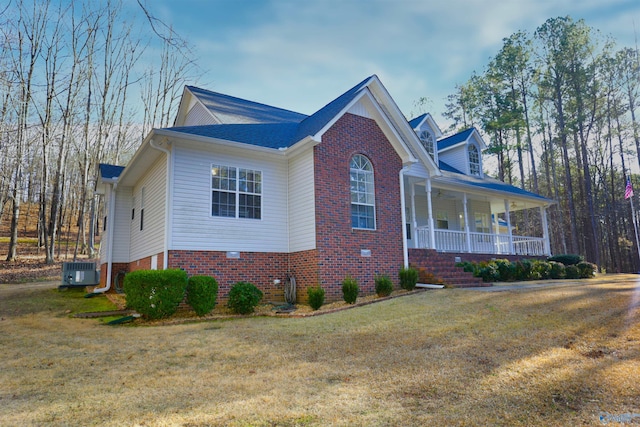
x=553 y=356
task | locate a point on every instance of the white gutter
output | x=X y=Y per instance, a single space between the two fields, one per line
x=405 y=253
x=167 y=204
x=110 y=231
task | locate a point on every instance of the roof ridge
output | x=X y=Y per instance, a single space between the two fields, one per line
x=220 y=94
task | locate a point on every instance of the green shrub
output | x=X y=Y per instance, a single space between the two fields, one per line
x=467 y=266
x=557 y=270
x=523 y=269
x=586 y=270
x=566 y=259
x=571 y=272
x=408 y=278
x=244 y=297
x=350 y=290
x=506 y=270
x=155 y=293
x=541 y=270
x=202 y=292
x=488 y=271
x=384 y=286
x=316 y=297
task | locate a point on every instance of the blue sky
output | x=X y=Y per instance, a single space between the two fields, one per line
x=299 y=55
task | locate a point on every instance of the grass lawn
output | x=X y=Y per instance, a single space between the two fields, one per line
x=553 y=356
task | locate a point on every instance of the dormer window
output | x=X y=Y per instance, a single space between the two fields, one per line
x=474 y=160
x=428 y=142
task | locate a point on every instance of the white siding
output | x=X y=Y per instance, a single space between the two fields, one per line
x=193 y=227
x=302 y=212
x=477 y=206
x=457 y=157
x=123 y=218
x=359 y=109
x=198 y=115
x=121 y=229
x=448 y=206
x=149 y=240
x=417 y=170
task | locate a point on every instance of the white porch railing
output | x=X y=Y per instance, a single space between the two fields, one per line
x=456 y=241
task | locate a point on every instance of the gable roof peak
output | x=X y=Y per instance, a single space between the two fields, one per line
x=233 y=110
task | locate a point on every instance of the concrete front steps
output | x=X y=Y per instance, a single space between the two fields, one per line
x=441 y=267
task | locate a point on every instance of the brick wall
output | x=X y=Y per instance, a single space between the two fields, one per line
x=421 y=257
x=259 y=268
x=116 y=268
x=338 y=244
x=304 y=267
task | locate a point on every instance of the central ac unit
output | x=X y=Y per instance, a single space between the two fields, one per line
x=79 y=274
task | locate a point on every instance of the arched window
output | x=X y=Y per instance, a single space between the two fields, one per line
x=428 y=142
x=474 y=160
x=363 y=212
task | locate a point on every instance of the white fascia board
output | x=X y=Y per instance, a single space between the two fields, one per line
x=403 y=126
x=184 y=105
x=447 y=184
x=479 y=138
x=188 y=99
x=433 y=125
x=451 y=147
x=365 y=91
x=222 y=142
x=299 y=146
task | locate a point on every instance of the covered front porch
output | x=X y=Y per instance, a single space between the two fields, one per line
x=468 y=218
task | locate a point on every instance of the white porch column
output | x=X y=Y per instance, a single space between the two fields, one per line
x=432 y=232
x=507 y=215
x=545 y=230
x=496 y=231
x=414 y=221
x=467 y=230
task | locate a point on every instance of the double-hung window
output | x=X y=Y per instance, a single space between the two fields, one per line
x=363 y=214
x=236 y=192
x=428 y=142
x=474 y=160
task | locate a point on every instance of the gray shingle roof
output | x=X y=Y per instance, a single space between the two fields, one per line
x=232 y=110
x=455 y=139
x=454 y=176
x=415 y=122
x=110 y=171
x=261 y=125
x=268 y=135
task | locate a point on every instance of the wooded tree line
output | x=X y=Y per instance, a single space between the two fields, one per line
x=74 y=77
x=559 y=109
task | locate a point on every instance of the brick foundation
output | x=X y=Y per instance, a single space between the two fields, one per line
x=259 y=268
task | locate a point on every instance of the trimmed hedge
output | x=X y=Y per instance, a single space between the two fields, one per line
x=566 y=259
x=316 y=297
x=501 y=270
x=350 y=290
x=384 y=286
x=155 y=293
x=408 y=278
x=202 y=293
x=244 y=297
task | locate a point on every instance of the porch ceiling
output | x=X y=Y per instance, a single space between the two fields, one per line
x=518 y=199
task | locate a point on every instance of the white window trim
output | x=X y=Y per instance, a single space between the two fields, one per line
x=237 y=193
x=373 y=205
x=479 y=174
x=434 y=156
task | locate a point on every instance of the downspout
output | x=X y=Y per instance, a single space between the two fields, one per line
x=167 y=204
x=405 y=253
x=110 y=230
